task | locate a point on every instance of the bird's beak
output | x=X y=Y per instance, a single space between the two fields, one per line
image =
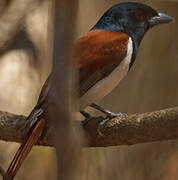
x=161 y=18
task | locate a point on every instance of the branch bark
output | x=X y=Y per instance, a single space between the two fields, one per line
x=124 y=130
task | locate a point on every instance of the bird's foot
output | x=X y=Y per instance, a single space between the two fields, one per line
x=109 y=115
x=88 y=118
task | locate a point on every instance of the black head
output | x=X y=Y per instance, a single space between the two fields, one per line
x=132 y=18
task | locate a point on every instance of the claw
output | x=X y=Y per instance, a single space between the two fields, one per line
x=101 y=125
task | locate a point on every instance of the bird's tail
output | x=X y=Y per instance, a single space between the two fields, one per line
x=37 y=124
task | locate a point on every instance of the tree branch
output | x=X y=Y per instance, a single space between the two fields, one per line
x=124 y=130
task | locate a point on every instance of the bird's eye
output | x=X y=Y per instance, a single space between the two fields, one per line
x=139 y=16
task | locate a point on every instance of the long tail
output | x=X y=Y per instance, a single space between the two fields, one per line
x=26 y=147
x=37 y=123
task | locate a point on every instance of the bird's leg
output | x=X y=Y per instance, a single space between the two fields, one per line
x=36 y=124
x=108 y=113
x=88 y=117
x=85 y=114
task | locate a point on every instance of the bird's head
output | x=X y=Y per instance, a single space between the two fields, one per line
x=132 y=18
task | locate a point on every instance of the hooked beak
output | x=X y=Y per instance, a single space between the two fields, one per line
x=161 y=18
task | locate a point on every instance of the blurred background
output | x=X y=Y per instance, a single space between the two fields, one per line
x=150 y=85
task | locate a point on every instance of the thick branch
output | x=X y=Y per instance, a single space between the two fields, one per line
x=124 y=130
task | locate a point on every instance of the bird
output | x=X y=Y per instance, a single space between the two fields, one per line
x=103 y=57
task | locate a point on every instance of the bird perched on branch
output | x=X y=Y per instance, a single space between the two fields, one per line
x=103 y=57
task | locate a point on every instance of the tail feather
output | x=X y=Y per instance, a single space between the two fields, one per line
x=26 y=146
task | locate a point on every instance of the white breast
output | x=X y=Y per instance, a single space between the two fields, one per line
x=106 y=85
